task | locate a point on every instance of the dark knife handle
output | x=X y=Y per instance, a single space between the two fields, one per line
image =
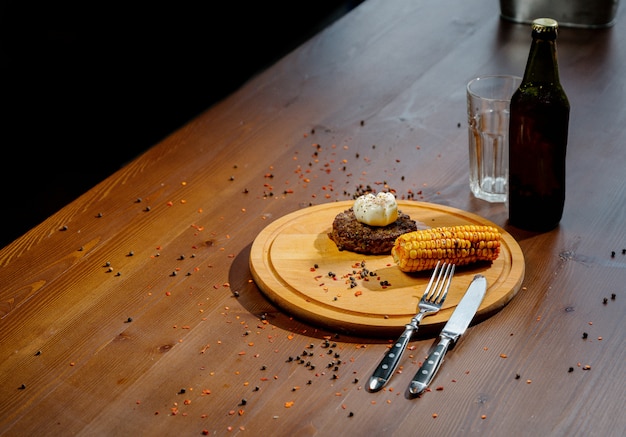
x=390 y=361
x=427 y=371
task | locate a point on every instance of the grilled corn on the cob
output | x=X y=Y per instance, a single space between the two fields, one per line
x=460 y=245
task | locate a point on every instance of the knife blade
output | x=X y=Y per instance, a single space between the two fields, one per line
x=450 y=334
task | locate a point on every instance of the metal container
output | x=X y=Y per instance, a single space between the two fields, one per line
x=569 y=13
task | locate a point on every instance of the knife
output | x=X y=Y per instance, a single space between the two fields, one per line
x=456 y=326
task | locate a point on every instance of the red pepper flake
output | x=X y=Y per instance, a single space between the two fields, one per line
x=358 y=293
x=241 y=353
x=503 y=356
x=440 y=388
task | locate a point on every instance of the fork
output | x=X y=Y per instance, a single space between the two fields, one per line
x=430 y=303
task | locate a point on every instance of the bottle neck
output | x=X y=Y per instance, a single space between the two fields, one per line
x=542 y=66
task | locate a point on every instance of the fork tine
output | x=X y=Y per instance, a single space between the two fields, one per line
x=430 y=283
x=440 y=283
x=450 y=274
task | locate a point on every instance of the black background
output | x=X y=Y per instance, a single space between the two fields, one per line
x=87 y=87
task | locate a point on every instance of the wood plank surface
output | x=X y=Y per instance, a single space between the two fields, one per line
x=133 y=310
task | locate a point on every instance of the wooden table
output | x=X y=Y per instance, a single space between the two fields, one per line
x=132 y=311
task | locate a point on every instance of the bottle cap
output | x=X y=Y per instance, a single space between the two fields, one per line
x=541 y=25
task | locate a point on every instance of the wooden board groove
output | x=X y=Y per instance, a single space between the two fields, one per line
x=291 y=258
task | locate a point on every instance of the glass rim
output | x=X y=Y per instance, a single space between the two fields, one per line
x=476 y=79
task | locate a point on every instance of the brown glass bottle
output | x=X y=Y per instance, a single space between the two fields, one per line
x=538 y=131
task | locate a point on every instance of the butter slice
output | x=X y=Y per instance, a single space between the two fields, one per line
x=379 y=210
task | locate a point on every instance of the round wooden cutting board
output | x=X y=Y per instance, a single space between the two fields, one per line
x=292 y=257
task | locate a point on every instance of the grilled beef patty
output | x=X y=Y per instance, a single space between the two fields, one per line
x=350 y=234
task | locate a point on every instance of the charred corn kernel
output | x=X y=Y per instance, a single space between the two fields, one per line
x=459 y=245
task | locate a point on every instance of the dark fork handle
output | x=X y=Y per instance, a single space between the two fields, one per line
x=390 y=361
